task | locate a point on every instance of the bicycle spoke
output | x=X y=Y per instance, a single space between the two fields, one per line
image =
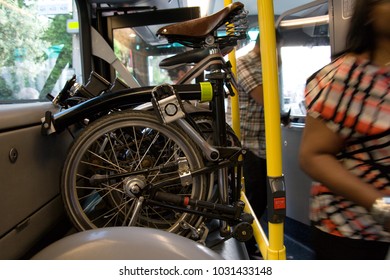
x=106 y=160
x=114 y=154
x=167 y=161
x=162 y=151
x=147 y=150
x=127 y=145
x=113 y=212
x=116 y=214
x=162 y=217
x=137 y=144
x=107 y=189
x=146 y=210
x=82 y=176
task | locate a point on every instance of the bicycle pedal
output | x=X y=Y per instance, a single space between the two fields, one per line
x=243 y=232
x=167 y=103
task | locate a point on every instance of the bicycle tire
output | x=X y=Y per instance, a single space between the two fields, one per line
x=115 y=144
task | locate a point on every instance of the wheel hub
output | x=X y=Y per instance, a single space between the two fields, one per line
x=133 y=185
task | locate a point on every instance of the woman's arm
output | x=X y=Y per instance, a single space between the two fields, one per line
x=317 y=157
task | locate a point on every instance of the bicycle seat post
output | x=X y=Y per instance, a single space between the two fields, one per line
x=217 y=105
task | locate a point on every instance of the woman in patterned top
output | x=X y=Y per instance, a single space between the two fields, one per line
x=346 y=141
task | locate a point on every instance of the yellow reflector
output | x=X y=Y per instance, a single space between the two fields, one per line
x=206 y=91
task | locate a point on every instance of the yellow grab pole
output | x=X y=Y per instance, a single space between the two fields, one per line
x=258 y=232
x=276 y=249
x=270 y=87
x=234 y=99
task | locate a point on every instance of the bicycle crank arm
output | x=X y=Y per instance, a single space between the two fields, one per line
x=211 y=153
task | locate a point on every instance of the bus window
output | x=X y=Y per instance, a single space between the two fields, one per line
x=141 y=54
x=299 y=62
x=132 y=35
x=304 y=49
x=37 y=48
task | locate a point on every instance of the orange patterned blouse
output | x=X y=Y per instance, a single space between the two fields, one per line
x=353 y=97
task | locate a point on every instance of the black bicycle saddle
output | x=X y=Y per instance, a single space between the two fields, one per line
x=192 y=56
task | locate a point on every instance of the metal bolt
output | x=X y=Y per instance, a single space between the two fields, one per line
x=13 y=155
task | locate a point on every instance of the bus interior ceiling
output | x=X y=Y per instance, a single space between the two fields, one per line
x=207 y=6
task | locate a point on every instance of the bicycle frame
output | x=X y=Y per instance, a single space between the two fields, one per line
x=126 y=98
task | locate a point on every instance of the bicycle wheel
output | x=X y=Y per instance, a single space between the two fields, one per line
x=123 y=142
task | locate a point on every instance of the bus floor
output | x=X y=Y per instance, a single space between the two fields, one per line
x=296 y=239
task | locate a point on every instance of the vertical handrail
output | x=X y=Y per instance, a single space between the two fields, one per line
x=276 y=189
x=259 y=234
